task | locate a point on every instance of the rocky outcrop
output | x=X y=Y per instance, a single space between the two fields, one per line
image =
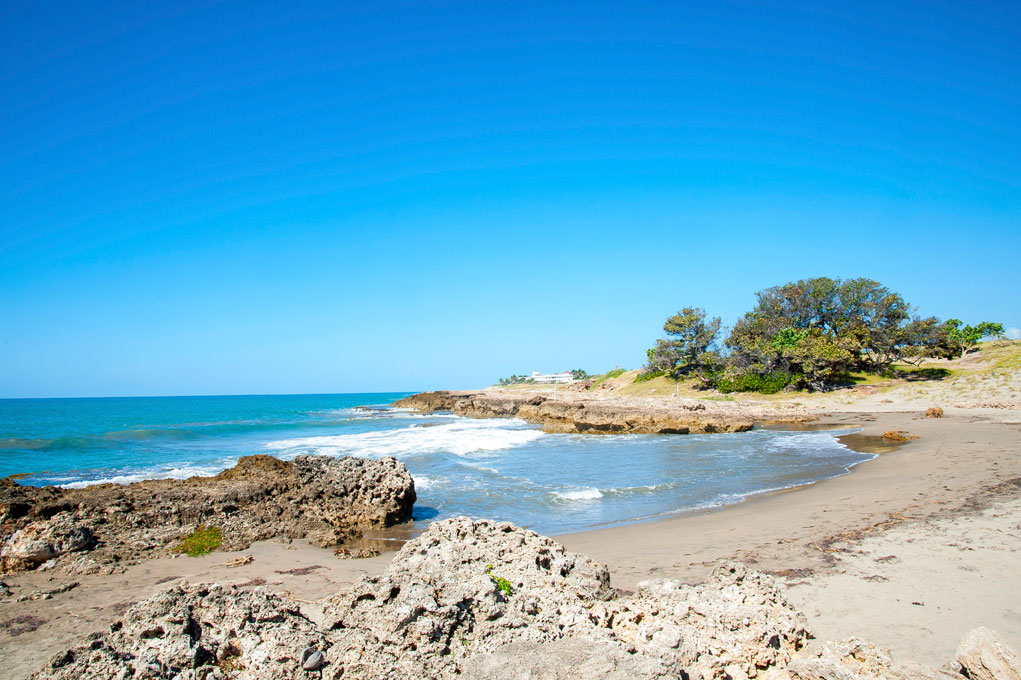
x=468 y=598
x=855 y=659
x=322 y=499
x=986 y=656
x=588 y=418
x=578 y=415
x=429 y=402
x=203 y=631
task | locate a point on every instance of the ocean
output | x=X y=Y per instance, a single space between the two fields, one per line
x=502 y=469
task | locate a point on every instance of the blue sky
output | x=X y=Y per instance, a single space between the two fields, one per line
x=249 y=198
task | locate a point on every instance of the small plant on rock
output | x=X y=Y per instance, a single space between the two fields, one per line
x=502 y=584
x=202 y=541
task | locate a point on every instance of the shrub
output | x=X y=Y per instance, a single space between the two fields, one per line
x=202 y=541
x=645 y=376
x=769 y=383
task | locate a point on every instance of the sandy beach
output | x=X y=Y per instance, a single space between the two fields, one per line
x=910 y=550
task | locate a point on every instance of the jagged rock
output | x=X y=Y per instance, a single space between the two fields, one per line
x=467 y=588
x=42 y=540
x=184 y=630
x=323 y=499
x=430 y=402
x=439 y=601
x=734 y=625
x=469 y=598
x=855 y=659
x=577 y=415
x=985 y=656
x=564 y=659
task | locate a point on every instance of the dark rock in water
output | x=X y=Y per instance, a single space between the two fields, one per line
x=325 y=500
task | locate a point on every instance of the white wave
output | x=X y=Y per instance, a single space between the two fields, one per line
x=423 y=482
x=820 y=440
x=142 y=475
x=641 y=489
x=589 y=494
x=462 y=437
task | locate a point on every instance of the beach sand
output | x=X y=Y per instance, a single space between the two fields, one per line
x=957 y=485
x=934 y=521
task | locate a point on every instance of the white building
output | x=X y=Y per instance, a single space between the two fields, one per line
x=564 y=377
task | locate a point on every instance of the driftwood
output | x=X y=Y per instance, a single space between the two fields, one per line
x=241 y=561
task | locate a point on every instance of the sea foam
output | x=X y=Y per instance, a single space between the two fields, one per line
x=462 y=437
x=590 y=494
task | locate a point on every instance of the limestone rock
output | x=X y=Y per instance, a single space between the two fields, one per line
x=220 y=631
x=440 y=605
x=732 y=626
x=323 y=499
x=43 y=540
x=855 y=659
x=564 y=659
x=471 y=598
x=439 y=601
x=985 y=656
x=577 y=415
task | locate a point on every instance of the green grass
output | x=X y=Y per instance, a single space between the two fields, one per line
x=202 y=541
x=615 y=373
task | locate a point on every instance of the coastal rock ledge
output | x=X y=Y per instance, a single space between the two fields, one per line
x=326 y=500
x=574 y=415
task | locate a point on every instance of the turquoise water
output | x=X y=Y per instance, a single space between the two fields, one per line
x=500 y=468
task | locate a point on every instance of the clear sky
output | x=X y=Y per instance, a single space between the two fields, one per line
x=300 y=197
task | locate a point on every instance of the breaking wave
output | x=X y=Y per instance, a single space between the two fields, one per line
x=462 y=437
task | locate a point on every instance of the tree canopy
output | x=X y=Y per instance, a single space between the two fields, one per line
x=689 y=335
x=809 y=333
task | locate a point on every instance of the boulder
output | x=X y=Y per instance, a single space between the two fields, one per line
x=195 y=632
x=855 y=659
x=43 y=540
x=467 y=596
x=985 y=656
x=734 y=626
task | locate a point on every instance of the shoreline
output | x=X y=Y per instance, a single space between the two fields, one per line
x=890 y=468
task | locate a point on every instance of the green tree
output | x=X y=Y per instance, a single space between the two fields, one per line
x=689 y=335
x=964 y=338
x=821 y=328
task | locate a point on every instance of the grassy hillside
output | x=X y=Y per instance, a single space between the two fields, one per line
x=990 y=374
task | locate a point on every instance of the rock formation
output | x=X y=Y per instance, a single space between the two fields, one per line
x=855 y=659
x=322 y=499
x=194 y=632
x=577 y=415
x=480 y=600
x=985 y=656
x=474 y=598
